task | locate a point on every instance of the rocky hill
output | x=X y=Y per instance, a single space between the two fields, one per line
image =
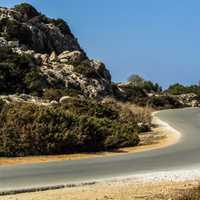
x=46 y=55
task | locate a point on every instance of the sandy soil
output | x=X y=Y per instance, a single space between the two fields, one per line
x=161 y=136
x=124 y=190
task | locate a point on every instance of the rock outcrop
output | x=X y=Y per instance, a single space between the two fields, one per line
x=60 y=59
x=189 y=99
x=35 y=31
x=69 y=70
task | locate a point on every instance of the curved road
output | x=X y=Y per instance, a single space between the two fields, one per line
x=182 y=155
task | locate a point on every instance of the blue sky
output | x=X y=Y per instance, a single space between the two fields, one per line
x=157 y=39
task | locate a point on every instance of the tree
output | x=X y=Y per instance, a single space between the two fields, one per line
x=136 y=80
x=177 y=89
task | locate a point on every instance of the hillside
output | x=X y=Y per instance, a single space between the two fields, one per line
x=54 y=99
x=46 y=55
x=52 y=96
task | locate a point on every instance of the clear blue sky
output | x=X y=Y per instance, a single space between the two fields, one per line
x=158 y=39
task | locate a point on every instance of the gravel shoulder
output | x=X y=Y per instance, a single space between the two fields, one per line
x=123 y=190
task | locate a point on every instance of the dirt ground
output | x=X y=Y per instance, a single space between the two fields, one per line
x=123 y=190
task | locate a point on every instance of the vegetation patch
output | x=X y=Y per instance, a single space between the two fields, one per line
x=30 y=129
x=19 y=73
x=188 y=194
x=177 y=89
x=164 y=102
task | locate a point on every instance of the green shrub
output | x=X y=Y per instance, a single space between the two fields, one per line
x=137 y=81
x=177 y=89
x=27 y=9
x=134 y=94
x=122 y=136
x=14 y=30
x=86 y=69
x=29 y=129
x=62 y=25
x=19 y=73
x=53 y=94
x=164 y=102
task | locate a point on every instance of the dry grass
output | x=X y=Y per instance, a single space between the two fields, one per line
x=142 y=114
x=188 y=194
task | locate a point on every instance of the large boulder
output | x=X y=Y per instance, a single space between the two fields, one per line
x=101 y=70
x=53 y=57
x=73 y=57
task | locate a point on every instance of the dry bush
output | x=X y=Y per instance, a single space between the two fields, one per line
x=142 y=115
x=189 y=194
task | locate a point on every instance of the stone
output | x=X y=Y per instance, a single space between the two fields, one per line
x=63 y=60
x=65 y=99
x=38 y=58
x=13 y=44
x=45 y=58
x=53 y=103
x=25 y=97
x=74 y=56
x=194 y=103
x=3 y=42
x=101 y=70
x=53 y=57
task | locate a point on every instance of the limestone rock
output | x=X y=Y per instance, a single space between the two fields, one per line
x=36 y=31
x=57 y=55
x=65 y=99
x=74 y=56
x=45 y=58
x=3 y=42
x=53 y=57
x=13 y=44
x=53 y=103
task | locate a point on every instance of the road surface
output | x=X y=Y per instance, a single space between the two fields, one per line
x=184 y=154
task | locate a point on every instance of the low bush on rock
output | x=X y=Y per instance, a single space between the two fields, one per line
x=19 y=73
x=86 y=69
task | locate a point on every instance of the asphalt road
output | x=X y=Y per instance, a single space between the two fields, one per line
x=184 y=154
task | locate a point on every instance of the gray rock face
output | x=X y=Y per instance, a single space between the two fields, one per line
x=56 y=51
x=95 y=86
x=36 y=31
x=74 y=57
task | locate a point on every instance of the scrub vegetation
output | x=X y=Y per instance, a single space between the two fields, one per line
x=188 y=194
x=76 y=126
